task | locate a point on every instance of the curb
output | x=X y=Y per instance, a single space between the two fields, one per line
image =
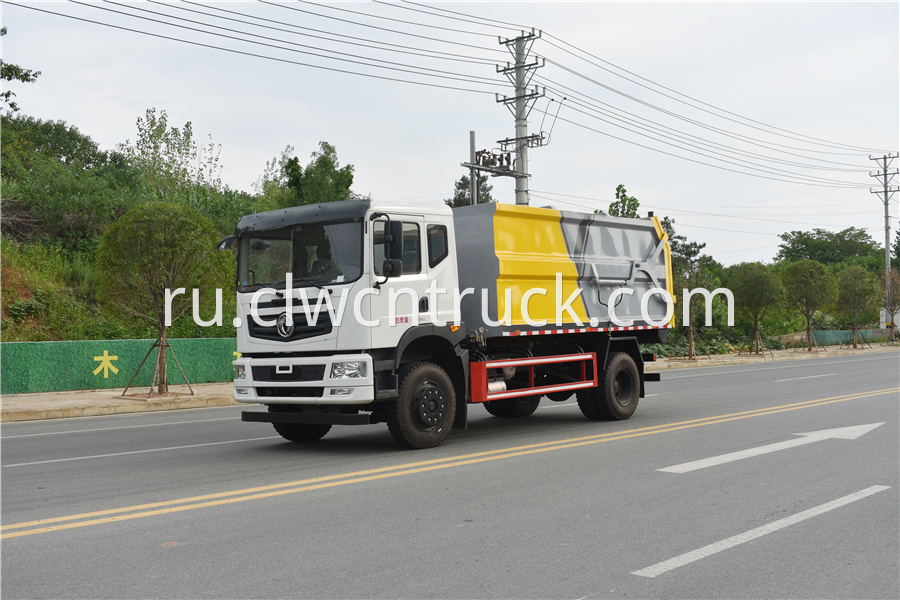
x=718 y=360
x=101 y=408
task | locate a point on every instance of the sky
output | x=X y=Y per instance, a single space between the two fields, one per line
x=717 y=115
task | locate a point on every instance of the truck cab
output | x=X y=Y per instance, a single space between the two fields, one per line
x=328 y=317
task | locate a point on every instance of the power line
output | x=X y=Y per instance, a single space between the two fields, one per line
x=362 y=42
x=681 y=117
x=431 y=14
x=740 y=161
x=593 y=106
x=658 y=208
x=754 y=123
x=350 y=58
x=804 y=180
x=739 y=119
x=685 y=139
x=245 y=53
x=356 y=12
x=398 y=32
x=444 y=10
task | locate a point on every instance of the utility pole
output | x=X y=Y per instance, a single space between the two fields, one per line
x=473 y=172
x=885 y=176
x=519 y=104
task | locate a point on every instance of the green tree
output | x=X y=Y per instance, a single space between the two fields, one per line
x=857 y=293
x=169 y=159
x=58 y=184
x=155 y=247
x=624 y=205
x=895 y=261
x=690 y=270
x=11 y=72
x=810 y=288
x=322 y=180
x=462 y=192
x=892 y=304
x=827 y=247
x=757 y=291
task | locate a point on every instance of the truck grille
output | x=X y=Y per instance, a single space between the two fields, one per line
x=299 y=373
x=302 y=328
x=292 y=392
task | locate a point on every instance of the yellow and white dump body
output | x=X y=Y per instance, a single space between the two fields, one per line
x=552 y=271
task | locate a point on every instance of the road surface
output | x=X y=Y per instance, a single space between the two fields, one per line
x=721 y=485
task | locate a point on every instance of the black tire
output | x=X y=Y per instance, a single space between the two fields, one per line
x=423 y=414
x=616 y=398
x=513 y=408
x=301 y=432
x=560 y=396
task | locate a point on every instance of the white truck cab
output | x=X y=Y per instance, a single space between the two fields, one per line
x=347 y=318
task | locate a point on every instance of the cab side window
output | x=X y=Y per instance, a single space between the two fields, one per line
x=412 y=248
x=437 y=244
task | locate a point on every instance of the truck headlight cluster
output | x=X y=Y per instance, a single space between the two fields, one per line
x=240 y=372
x=348 y=370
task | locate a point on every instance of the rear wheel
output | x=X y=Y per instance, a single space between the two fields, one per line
x=423 y=414
x=513 y=408
x=616 y=398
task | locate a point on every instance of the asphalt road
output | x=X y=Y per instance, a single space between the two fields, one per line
x=197 y=504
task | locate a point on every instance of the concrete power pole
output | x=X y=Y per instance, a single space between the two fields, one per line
x=473 y=172
x=520 y=104
x=885 y=177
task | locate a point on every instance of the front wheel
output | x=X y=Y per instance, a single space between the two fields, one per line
x=423 y=414
x=616 y=398
x=301 y=432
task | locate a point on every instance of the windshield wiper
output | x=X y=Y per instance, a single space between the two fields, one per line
x=302 y=280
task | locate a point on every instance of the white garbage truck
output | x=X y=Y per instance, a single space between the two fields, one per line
x=360 y=312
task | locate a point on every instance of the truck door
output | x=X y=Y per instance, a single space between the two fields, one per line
x=401 y=301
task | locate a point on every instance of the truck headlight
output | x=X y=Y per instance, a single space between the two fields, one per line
x=240 y=372
x=348 y=370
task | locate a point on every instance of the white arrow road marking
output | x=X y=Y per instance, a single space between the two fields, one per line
x=843 y=433
x=689 y=557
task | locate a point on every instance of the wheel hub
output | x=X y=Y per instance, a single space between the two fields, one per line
x=430 y=404
x=623 y=388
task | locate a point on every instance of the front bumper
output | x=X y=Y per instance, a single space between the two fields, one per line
x=305 y=380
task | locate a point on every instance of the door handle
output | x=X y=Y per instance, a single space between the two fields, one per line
x=423 y=304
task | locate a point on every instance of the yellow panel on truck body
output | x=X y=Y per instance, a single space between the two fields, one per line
x=531 y=250
x=521 y=252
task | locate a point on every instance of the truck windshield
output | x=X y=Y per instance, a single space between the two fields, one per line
x=314 y=253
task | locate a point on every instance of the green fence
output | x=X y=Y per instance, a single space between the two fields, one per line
x=843 y=336
x=29 y=367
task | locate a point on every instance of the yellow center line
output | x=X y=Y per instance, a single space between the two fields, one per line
x=270 y=491
x=357 y=474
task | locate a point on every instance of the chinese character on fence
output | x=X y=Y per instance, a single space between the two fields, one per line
x=106 y=364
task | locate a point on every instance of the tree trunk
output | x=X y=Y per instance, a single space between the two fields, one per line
x=690 y=333
x=163 y=387
x=756 y=335
x=854 y=332
x=809 y=340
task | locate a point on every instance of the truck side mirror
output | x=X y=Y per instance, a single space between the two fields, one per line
x=393 y=241
x=226 y=243
x=392 y=268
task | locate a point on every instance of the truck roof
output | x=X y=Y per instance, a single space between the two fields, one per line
x=333 y=211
